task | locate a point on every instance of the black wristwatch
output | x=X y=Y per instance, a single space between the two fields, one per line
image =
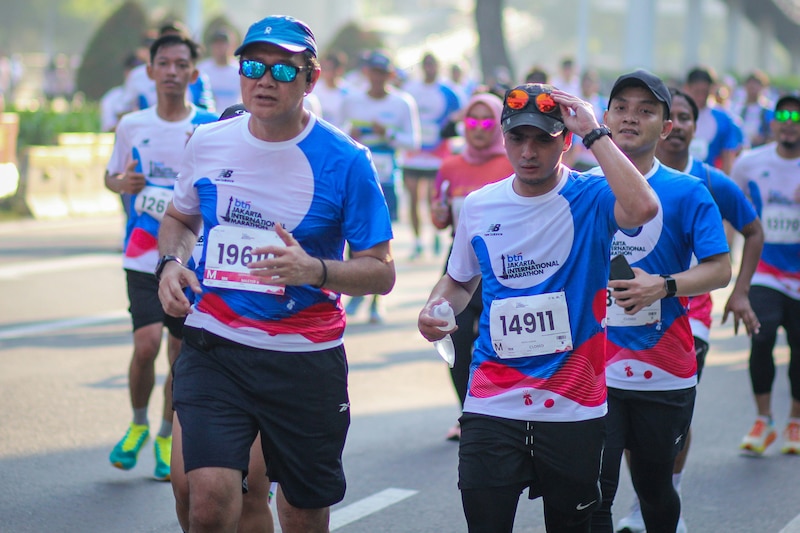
x=669 y=285
x=592 y=136
x=163 y=262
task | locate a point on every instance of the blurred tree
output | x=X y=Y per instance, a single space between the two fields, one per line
x=116 y=38
x=47 y=25
x=491 y=41
x=352 y=39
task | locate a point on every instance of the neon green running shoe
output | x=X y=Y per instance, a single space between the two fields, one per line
x=163 y=450
x=126 y=451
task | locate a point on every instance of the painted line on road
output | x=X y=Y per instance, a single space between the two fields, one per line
x=78 y=262
x=57 y=325
x=793 y=526
x=367 y=506
x=360 y=509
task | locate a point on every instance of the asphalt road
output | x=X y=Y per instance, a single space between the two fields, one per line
x=64 y=349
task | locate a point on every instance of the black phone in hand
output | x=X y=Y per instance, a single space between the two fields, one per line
x=620 y=269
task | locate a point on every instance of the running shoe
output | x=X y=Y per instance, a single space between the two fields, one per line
x=163 y=451
x=126 y=451
x=375 y=317
x=417 y=253
x=634 y=522
x=760 y=437
x=791 y=438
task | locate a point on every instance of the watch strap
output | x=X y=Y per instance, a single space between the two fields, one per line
x=592 y=136
x=163 y=262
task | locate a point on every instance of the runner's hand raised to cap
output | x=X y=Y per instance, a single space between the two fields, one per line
x=578 y=115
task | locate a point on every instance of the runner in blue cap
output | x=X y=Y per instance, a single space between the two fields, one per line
x=278 y=194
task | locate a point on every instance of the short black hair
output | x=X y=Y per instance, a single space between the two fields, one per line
x=337 y=58
x=759 y=76
x=172 y=40
x=692 y=104
x=701 y=74
x=536 y=75
x=174 y=27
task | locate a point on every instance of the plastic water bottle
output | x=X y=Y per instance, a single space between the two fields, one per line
x=445 y=346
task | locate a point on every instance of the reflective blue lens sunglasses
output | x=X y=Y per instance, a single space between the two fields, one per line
x=255 y=70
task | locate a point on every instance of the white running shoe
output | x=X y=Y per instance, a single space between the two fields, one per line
x=634 y=522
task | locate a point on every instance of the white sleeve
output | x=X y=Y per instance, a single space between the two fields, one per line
x=463 y=264
x=184 y=196
x=122 y=152
x=409 y=136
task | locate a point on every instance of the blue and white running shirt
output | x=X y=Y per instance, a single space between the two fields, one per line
x=544 y=265
x=321 y=186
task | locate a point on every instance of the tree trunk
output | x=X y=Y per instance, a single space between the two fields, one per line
x=495 y=65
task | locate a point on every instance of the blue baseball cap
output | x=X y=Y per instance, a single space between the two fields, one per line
x=283 y=31
x=378 y=59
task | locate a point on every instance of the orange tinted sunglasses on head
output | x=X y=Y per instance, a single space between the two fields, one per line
x=518 y=99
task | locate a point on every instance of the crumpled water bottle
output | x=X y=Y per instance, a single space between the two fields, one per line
x=444 y=346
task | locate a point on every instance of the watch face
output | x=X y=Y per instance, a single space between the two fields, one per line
x=671 y=286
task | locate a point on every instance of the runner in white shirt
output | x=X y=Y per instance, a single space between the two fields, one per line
x=331 y=89
x=222 y=70
x=144 y=164
x=385 y=120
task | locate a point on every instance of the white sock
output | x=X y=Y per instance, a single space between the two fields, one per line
x=676 y=482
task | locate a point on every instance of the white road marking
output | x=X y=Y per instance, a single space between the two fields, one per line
x=361 y=508
x=793 y=526
x=56 y=325
x=78 y=262
x=367 y=506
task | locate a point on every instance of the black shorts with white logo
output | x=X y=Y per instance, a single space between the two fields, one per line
x=651 y=423
x=225 y=392
x=559 y=461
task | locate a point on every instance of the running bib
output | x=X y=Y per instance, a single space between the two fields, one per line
x=384 y=164
x=781 y=224
x=153 y=201
x=527 y=326
x=429 y=133
x=229 y=251
x=615 y=315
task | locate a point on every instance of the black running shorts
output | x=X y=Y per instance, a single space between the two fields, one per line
x=654 y=424
x=145 y=307
x=559 y=461
x=224 y=393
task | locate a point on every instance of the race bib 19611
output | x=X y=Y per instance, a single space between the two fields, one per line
x=153 y=201
x=229 y=251
x=527 y=326
x=615 y=315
